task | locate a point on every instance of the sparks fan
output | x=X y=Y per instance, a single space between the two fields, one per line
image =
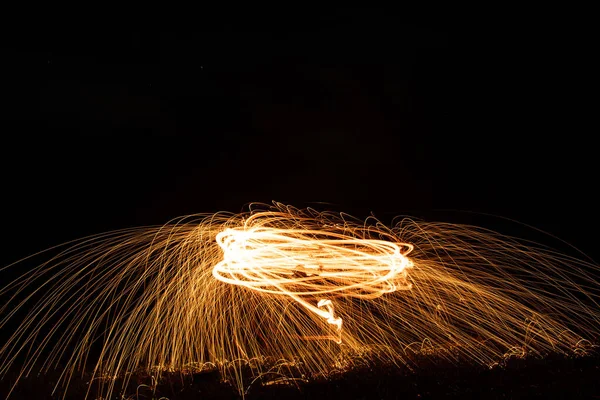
x=280 y=283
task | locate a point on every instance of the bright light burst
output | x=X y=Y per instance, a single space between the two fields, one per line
x=310 y=262
x=278 y=283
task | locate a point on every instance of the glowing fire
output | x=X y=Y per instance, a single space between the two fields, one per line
x=276 y=283
x=303 y=263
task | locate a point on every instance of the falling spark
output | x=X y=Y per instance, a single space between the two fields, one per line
x=297 y=286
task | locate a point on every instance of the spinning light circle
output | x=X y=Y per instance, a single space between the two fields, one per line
x=310 y=263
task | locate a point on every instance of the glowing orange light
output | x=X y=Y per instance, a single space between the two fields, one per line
x=308 y=263
x=277 y=283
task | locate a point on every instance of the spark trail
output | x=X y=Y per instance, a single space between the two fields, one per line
x=315 y=263
x=314 y=290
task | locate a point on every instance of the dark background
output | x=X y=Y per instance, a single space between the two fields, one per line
x=354 y=108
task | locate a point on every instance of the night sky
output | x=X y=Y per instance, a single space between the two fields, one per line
x=355 y=108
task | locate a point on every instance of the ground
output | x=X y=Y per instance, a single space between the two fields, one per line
x=547 y=377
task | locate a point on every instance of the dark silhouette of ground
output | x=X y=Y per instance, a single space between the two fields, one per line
x=552 y=376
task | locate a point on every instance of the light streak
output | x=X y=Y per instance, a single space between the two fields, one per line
x=298 y=287
x=315 y=263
